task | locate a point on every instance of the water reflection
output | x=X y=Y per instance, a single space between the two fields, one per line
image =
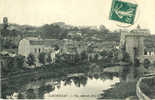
x=88 y=84
x=127 y=85
x=81 y=88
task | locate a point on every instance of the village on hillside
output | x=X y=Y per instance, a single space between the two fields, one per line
x=58 y=38
x=66 y=50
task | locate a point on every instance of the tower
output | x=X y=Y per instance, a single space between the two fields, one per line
x=5 y=22
x=2 y=31
x=135 y=43
x=123 y=34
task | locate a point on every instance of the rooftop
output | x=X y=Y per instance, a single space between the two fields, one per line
x=39 y=41
x=139 y=32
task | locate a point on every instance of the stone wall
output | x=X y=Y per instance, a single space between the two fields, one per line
x=134 y=47
x=150 y=58
x=139 y=92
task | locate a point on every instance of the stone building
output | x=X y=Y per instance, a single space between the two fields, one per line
x=72 y=46
x=36 y=46
x=133 y=42
x=122 y=39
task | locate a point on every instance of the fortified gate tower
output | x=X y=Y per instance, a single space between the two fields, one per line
x=134 y=43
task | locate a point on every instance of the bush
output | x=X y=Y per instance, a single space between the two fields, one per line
x=41 y=58
x=120 y=91
x=147 y=63
x=13 y=64
x=137 y=63
x=126 y=57
x=145 y=88
x=31 y=59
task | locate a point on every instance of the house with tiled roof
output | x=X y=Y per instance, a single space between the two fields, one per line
x=35 y=46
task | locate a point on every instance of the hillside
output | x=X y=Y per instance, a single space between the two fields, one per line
x=59 y=30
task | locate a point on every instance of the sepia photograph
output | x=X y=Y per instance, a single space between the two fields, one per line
x=77 y=49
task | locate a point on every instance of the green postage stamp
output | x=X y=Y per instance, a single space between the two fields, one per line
x=123 y=11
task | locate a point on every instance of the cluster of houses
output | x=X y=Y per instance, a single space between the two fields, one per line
x=69 y=46
x=36 y=45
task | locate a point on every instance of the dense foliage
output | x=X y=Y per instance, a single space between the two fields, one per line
x=31 y=60
x=12 y=64
x=146 y=63
x=42 y=58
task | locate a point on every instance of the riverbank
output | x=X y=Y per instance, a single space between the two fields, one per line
x=127 y=86
x=66 y=73
x=147 y=87
x=64 y=69
x=53 y=68
x=120 y=90
x=54 y=72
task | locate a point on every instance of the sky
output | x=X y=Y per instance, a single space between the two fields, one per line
x=74 y=12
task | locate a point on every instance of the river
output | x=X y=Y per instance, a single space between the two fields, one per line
x=76 y=87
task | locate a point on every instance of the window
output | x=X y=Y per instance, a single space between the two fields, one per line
x=39 y=50
x=145 y=52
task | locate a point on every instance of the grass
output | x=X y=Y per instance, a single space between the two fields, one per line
x=120 y=91
x=148 y=87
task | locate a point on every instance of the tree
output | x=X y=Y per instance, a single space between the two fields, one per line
x=9 y=65
x=109 y=57
x=126 y=57
x=103 y=29
x=52 y=31
x=137 y=62
x=42 y=58
x=19 y=61
x=147 y=63
x=31 y=59
x=103 y=53
x=83 y=55
x=30 y=94
x=20 y=96
x=56 y=47
x=49 y=58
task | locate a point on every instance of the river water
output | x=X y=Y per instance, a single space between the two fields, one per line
x=71 y=88
x=91 y=90
x=76 y=87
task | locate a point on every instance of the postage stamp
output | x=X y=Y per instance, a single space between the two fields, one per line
x=72 y=50
x=123 y=11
